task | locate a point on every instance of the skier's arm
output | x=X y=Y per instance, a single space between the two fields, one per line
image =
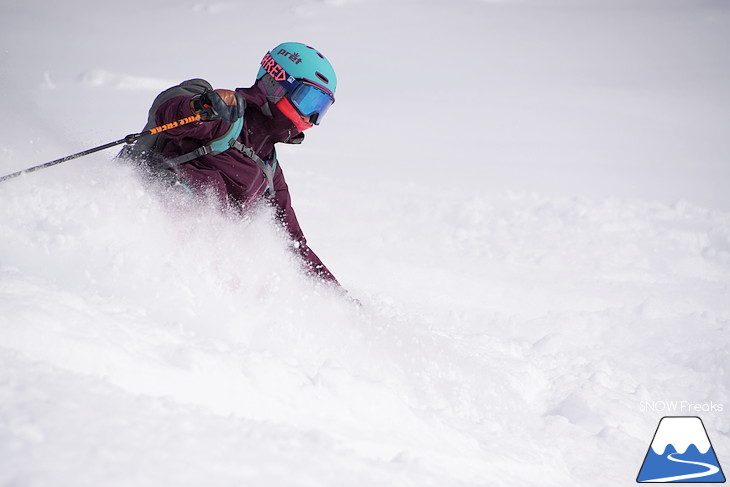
x=286 y=215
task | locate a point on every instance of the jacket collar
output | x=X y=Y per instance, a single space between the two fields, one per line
x=264 y=116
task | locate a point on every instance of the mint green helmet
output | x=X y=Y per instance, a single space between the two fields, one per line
x=304 y=63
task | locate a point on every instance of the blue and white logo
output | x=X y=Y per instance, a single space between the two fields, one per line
x=681 y=452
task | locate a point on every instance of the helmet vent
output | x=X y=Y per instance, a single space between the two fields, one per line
x=320 y=54
x=322 y=77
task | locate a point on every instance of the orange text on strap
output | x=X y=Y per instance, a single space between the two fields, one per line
x=172 y=125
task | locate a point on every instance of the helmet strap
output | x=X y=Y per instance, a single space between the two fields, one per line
x=273 y=90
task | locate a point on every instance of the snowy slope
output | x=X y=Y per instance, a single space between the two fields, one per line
x=528 y=197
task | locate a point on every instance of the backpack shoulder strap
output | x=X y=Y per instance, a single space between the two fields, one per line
x=268 y=168
x=216 y=146
x=230 y=141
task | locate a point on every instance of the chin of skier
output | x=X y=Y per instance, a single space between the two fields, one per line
x=294 y=89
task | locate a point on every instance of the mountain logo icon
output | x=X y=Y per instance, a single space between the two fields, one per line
x=681 y=452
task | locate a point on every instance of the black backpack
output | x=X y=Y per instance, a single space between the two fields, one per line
x=146 y=151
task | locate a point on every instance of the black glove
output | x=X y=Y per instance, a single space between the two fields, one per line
x=225 y=105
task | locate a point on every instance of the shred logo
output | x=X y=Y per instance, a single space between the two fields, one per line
x=273 y=68
x=680 y=452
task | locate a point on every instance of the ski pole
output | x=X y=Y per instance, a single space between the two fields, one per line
x=129 y=139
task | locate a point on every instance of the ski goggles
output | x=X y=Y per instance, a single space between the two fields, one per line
x=310 y=99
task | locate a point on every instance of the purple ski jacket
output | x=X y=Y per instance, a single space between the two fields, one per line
x=234 y=177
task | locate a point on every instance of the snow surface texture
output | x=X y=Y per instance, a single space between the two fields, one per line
x=528 y=197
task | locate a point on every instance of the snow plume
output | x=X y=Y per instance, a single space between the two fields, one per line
x=158 y=295
x=110 y=232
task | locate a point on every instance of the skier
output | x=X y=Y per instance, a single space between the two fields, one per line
x=294 y=88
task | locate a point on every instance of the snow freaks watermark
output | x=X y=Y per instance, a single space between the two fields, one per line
x=680 y=407
x=680 y=451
